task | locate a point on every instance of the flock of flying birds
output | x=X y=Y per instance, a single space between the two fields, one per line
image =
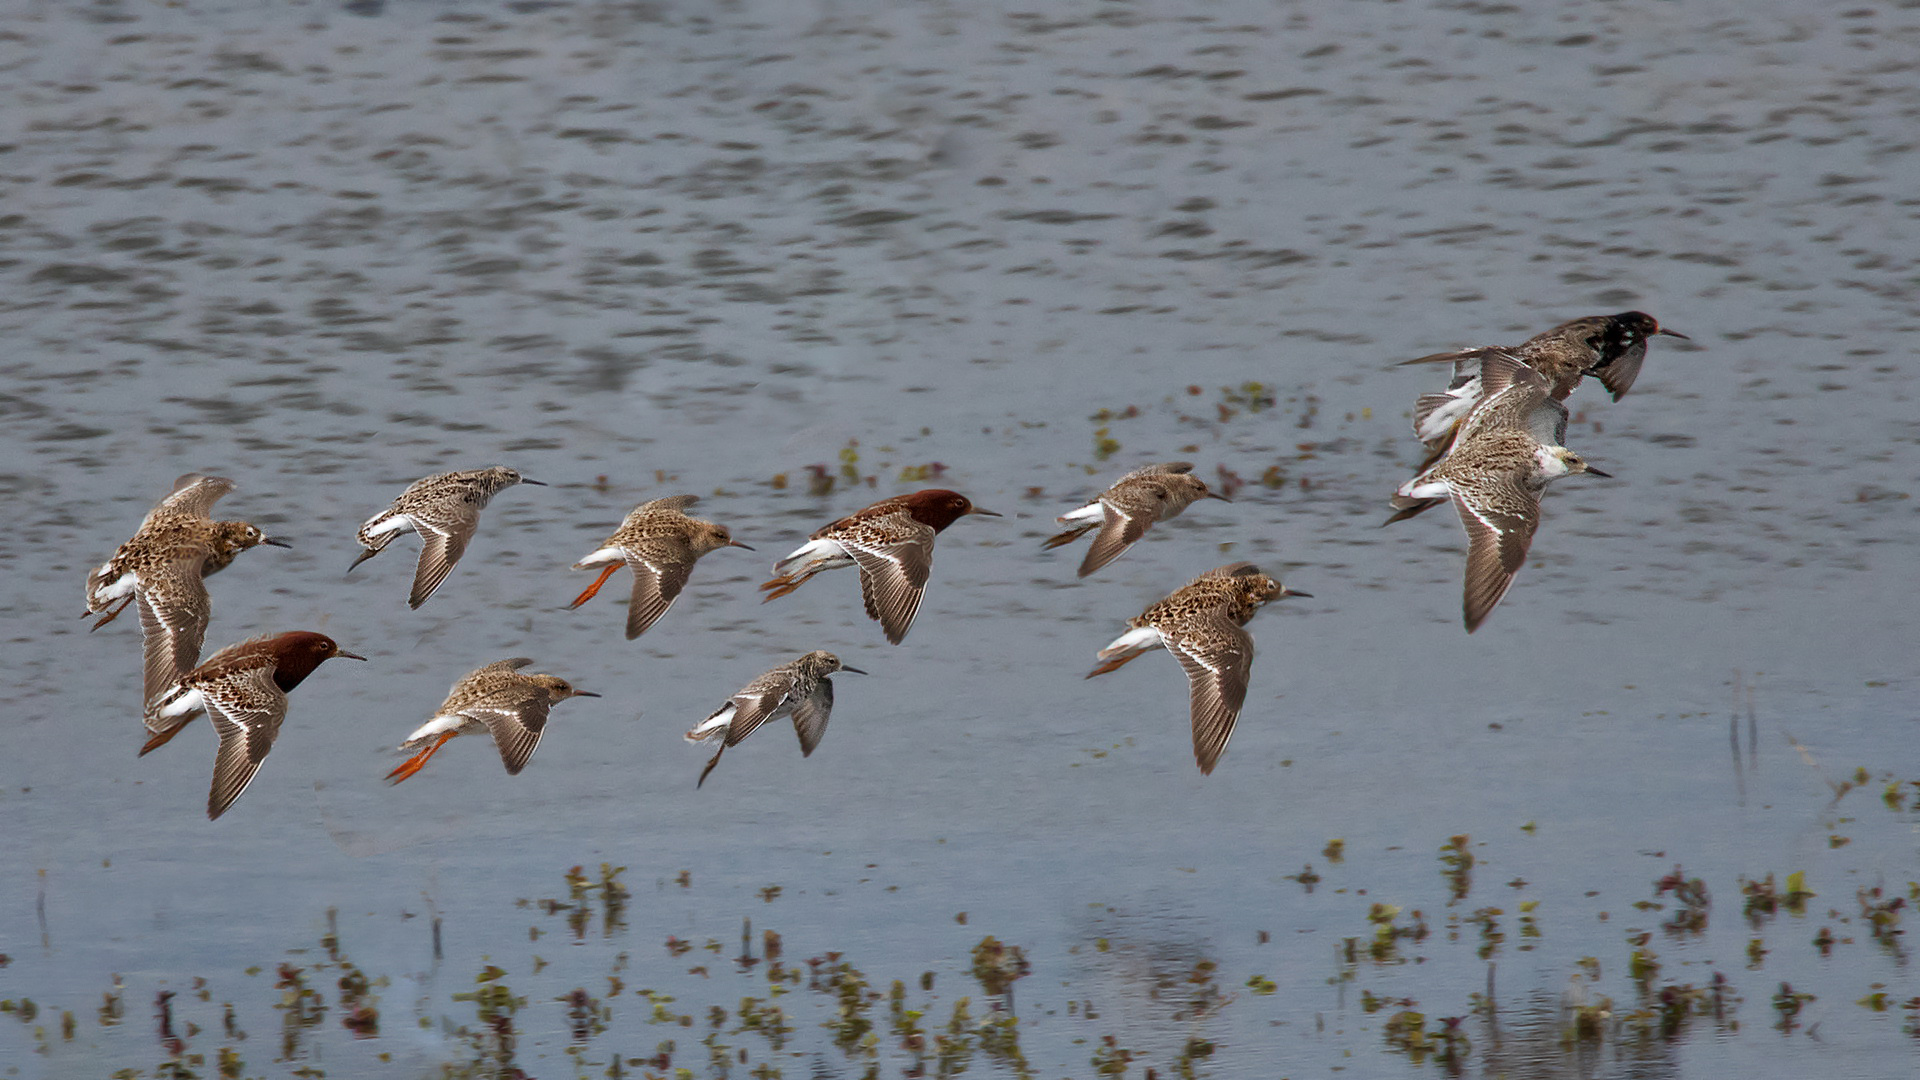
x=1494 y=441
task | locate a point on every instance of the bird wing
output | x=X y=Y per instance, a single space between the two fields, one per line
x=810 y=716
x=445 y=529
x=1511 y=392
x=661 y=566
x=1466 y=363
x=758 y=702
x=894 y=565
x=1119 y=530
x=246 y=708
x=669 y=502
x=1162 y=468
x=174 y=609
x=1618 y=375
x=195 y=494
x=515 y=718
x=1500 y=518
x=1218 y=657
x=1233 y=569
x=1547 y=422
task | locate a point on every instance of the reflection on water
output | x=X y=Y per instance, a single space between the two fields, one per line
x=797 y=257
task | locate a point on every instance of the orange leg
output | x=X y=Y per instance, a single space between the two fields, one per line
x=418 y=761
x=161 y=739
x=784 y=584
x=1065 y=538
x=114 y=614
x=594 y=588
x=1115 y=664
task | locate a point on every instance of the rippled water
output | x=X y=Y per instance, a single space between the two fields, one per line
x=642 y=248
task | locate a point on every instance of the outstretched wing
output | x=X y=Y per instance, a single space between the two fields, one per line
x=516 y=723
x=174 y=609
x=1500 y=518
x=759 y=702
x=246 y=708
x=661 y=566
x=445 y=529
x=1120 y=529
x=1617 y=375
x=195 y=494
x=894 y=567
x=1218 y=657
x=810 y=716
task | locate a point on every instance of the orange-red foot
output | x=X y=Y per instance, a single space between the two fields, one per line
x=112 y=615
x=418 y=761
x=1114 y=664
x=594 y=588
x=160 y=739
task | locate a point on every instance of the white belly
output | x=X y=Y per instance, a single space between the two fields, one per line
x=439 y=725
x=814 y=554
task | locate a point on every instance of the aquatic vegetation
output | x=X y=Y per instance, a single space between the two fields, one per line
x=1456 y=866
x=1692 y=898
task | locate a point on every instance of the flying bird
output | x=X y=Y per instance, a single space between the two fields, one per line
x=892 y=544
x=495 y=700
x=445 y=510
x=800 y=689
x=661 y=543
x=1201 y=624
x=243 y=690
x=163 y=568
x=1124 y=511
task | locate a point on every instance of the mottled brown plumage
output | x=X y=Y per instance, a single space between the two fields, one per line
x=243 y=690
x=1125 y=511
x=892 y=544
x=661 y=544
x=162 y=570
x=1201 y=624
x=493 y=700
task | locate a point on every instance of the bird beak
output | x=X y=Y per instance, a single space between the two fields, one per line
x=975 y=510
x=854 y=670
x=585 y=693
x=535 y=483
x=1597 y=472
x=364 y=556
x=275 y=543
x=738 y=544
x=345 y=655
x=1217 y=495
x=1672 y=333
x=1286 y=592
